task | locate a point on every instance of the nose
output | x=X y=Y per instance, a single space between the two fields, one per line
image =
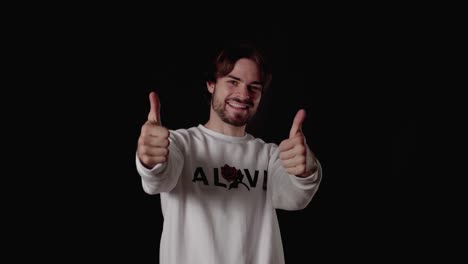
x=243 y=92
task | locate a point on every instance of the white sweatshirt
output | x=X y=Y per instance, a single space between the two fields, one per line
x=218 y=198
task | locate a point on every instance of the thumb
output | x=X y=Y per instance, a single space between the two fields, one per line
x=297 y=123
x=154 y=115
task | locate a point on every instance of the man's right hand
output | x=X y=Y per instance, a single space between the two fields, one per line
x=153 y=144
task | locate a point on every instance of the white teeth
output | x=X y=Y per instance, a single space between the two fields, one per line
x=237 y=105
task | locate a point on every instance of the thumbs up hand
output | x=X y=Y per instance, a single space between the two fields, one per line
x=153 y=143
x=294 y=150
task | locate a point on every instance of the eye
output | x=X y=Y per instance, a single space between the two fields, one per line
x=233 y=82
x=255 y=88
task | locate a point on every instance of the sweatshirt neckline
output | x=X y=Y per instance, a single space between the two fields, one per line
x=223 y=136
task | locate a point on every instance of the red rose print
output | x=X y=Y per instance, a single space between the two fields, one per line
x=229 y=173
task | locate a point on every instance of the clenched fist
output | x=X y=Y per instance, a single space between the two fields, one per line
x=153 y=143
x=294 y=150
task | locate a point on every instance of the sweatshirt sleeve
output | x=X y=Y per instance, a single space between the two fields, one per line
x=164 y=176
x=290 y=192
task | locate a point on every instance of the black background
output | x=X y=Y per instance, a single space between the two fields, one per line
x=354 y=77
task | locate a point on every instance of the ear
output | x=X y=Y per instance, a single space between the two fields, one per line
x=210 y=86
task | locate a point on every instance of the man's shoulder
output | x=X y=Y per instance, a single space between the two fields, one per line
x=184 y=131
x=260 y=141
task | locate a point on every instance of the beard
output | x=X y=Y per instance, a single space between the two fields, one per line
x=235 y=119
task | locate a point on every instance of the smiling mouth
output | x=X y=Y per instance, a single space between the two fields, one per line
x=239 y=105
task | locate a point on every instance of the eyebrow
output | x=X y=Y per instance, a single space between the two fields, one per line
x=239 y=79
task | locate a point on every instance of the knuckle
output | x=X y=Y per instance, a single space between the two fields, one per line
x=145 y=159
x=143 y=130
x=282 y=145
x=143 y=150
x=164 y=152
x=281 y=156
x=141 y=141
x=164 y=132
x=301 y=149
x=301 y=168
x=302 y=159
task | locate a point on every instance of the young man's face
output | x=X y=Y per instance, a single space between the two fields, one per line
x=235 y=97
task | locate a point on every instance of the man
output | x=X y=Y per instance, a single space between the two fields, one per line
x=219 y=185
